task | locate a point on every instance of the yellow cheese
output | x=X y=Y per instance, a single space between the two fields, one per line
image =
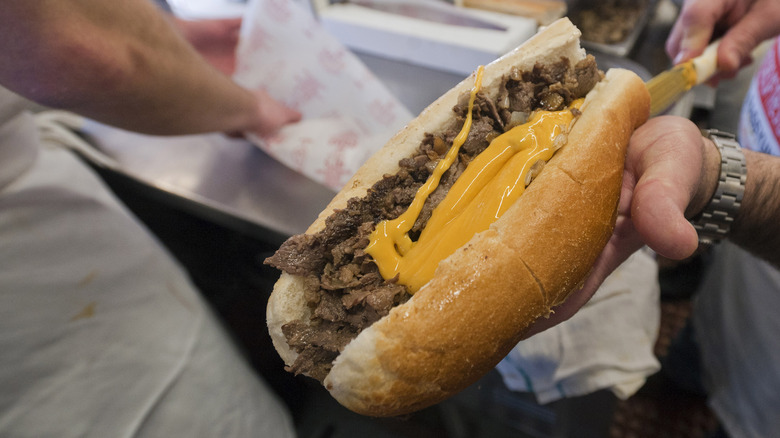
x=485 y=190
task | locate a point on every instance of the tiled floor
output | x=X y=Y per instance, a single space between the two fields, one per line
x=228 y=267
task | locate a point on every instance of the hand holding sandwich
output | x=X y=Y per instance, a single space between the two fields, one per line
x=668 y=172
x=670 y=175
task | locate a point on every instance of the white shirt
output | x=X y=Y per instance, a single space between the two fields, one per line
x=737 y=310
x=101 y=332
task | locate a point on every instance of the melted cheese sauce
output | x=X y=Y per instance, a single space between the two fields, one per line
x=491 y=183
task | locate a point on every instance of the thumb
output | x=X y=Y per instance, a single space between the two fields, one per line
x=693 y=30
x=666 y=159
x=658 y=214
x=273 y=114
x=738 y=43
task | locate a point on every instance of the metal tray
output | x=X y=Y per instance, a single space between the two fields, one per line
x=624 y=47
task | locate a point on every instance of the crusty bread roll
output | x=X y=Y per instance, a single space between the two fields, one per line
x=485 y=295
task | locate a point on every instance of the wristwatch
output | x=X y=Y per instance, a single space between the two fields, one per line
x=714 y=222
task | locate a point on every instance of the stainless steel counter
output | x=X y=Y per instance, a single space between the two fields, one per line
x=231 y=182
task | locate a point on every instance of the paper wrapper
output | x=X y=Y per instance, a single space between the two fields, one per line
x=348 y=113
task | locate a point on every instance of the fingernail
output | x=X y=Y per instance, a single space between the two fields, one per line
x=679 y=58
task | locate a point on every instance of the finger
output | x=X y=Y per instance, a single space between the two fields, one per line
x=658 y=212
x=232 y=23
x=738 y=43
x=673 y=40
x=727 y=75
x=231 y=28
x=626 y=193
x=693 y=29
x=666 y=155
x=273 y=114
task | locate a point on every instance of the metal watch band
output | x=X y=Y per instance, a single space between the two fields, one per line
x=714 y=222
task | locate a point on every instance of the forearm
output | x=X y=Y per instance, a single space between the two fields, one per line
x=120 y=63
x=757 y=225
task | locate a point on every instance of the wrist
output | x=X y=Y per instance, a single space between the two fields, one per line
x=716 y=218
x=708 y=183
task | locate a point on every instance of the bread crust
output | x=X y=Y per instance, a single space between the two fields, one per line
x=485 y=295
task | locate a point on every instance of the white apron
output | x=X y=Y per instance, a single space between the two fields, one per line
x=101 y=332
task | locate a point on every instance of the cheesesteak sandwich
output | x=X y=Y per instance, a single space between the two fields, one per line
x=473 y=221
